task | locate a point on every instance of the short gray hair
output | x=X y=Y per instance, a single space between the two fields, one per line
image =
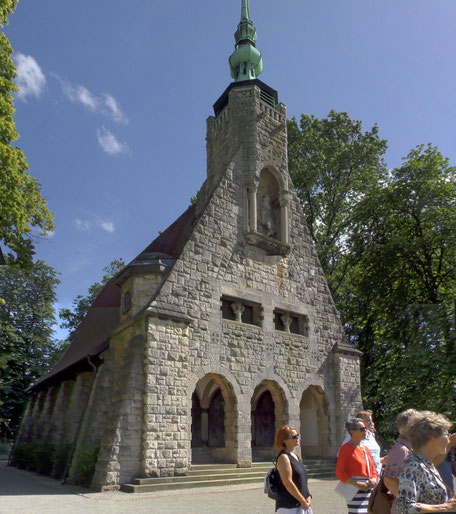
x=426 y=425
x=353 y=424
x=403 y=419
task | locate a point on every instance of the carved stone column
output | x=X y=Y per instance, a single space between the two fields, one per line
x=284 y=216
x=253 y=210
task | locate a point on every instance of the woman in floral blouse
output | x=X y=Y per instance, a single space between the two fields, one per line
x=420 y=487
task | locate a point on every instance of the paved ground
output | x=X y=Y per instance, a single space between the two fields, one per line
x=22 y=492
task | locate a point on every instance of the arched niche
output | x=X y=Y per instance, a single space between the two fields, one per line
x=214 y=421
x=314 y=419
x=269 y=411
x=268 y=205
x=268 y=212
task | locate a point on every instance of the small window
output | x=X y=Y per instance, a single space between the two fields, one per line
x=291 y=322
x=227 y=311
x=242 y=311
x=126 y=304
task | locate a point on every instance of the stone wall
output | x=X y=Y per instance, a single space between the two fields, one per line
x=165 y=437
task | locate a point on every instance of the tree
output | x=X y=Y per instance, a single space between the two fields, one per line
x=399 y=304
x=26 y=334
x=71 y=318
x=337 y=170
x=21 y=204
x=387 y=243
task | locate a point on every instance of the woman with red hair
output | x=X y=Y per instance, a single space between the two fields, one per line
x=293 y=495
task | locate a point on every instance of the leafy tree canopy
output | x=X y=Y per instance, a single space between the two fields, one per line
x=337 y=169
x=387 y=243
x=21 y=204
x=71 y=318
x=26 y=334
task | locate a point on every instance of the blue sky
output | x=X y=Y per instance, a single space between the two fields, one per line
x=115 y=95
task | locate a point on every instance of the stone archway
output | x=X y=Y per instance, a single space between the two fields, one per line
x=269 y=412
x=196 y=422
x=314 y=419
x=214 y=432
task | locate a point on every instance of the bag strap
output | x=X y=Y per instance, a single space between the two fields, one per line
x=367 y=462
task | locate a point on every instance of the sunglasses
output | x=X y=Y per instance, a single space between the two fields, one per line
x=295 y=437
x=362 y=429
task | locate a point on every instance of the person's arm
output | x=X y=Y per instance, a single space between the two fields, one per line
x=373 y=479
x=392 y=484
x=286 y=475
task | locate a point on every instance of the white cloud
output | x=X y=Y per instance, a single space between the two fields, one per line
x=114 y=109
x=79 y=94
x=107 y=225
x=109 y=143
x=82 y=225
x=106 y=104
x=30 y=79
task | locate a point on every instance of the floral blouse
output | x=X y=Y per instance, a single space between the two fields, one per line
x=419 y=482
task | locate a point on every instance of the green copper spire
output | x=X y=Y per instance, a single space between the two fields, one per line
x=246 y=62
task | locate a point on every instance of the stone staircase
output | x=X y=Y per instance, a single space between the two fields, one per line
x=216 y=475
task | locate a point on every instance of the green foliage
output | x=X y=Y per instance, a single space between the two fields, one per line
x=5 y=447
x=6 y=7
x=71 y=318
x=21 y=204
x=22 y=455
x=43 y=457
x=387 y=243
x=84 y=465
x=61 y=454
x=337 y=170
x=26 y=330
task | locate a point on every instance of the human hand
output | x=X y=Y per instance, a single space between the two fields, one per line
x=309 y=501
x=450 y=505
x=305 y=504
x=363 y=486
x=372 y=483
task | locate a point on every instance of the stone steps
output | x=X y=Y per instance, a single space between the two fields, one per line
x=217 y=475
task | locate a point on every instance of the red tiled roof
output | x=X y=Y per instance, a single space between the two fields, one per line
x=172 y=240
x=103 y=316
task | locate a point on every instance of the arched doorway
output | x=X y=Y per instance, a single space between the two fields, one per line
x=213 y=424
x=269 y=412
x=314 y=418
x=263 y=421
x=216 y=421
x=196 y=422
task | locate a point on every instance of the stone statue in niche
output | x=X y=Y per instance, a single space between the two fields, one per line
x=266 y=222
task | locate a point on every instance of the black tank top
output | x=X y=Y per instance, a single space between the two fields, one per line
x=284 y=499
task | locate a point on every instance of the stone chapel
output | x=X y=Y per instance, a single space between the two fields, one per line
x=220 y=331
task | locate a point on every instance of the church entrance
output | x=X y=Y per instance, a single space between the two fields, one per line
x=315 y=440
x=269 y=412
x=263 y=421
x=212 y=425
